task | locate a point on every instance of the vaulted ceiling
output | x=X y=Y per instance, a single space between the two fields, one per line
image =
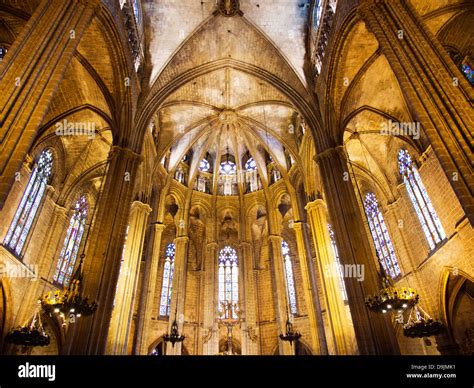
x=171 y=23
x=227 y=109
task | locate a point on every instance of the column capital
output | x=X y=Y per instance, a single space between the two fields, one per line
x=59 y=209
x=297 y=225
x=128 y=153
x=181 y=239
x=338 y=150
x=138 y=205
x=158 y=226
x=317 y=203
x=212 y=244
x=275 y=238
x=243 y=244
x=50 y=191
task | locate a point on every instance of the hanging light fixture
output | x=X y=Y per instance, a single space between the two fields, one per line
x=420 y=324
x=32 y=333
x=69 y=300
x=291 y=335
x=174 y=336
x=391 y=299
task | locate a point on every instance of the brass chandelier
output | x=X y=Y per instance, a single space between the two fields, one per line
x=390 y=298
x=173 y=336
x=291 y=335
x=69 y=300
x=420 y=324
x=32 y=333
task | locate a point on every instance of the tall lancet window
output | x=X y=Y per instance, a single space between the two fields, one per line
x=379 y=232
x=166 y=287
x=337 y=262
x=228 y=277
x=425 y=211
x=31 y=200
x=72 y=242
x=290 y=280
x=251 y=175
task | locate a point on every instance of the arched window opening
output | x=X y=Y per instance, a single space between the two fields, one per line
x=159 y=350
x=380 y=236
x=289 y=278
x=251 y=176
x=228 y=278
x=228 y=178
x=317 y=12
x=29 y=204
x=72 y=242
x=3 y=51
x=420 y=200
x=204 y=166
x=250 y=164
x=166 y=287
x=463 y=63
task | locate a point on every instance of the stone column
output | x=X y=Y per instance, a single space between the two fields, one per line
x=104 y=250
x=279 y=292
x=374 y=333
x=178 y=291
x=31 y=73
x=148 y=292
x=122 y=316
x=210 y=330
x=325 y=262
x=425 y=73
x=318 y=338
x=249 y=325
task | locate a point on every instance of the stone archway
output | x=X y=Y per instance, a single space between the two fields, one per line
x=458 y=303
x=5 y=310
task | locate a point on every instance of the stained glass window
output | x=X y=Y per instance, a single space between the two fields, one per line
x=136 y=10
x=72 y=242
x=204 y=166
x=338 y=264
x=468 y=72
x=290 y=280
x=425 y=211
x=3 y=51
x=379 y=232
x=228 y=277
x=30 y=201
x=250 y=164
x=317 y=11
x=179 y=175
x=275 y=174
x=166 y=287
x=228 y=168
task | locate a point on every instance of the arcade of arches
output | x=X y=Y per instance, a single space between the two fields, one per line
x=278 y=155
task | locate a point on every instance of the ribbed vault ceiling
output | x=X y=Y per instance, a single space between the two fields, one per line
x=228 y=112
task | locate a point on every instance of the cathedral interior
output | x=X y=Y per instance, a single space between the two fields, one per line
x=224 y=177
